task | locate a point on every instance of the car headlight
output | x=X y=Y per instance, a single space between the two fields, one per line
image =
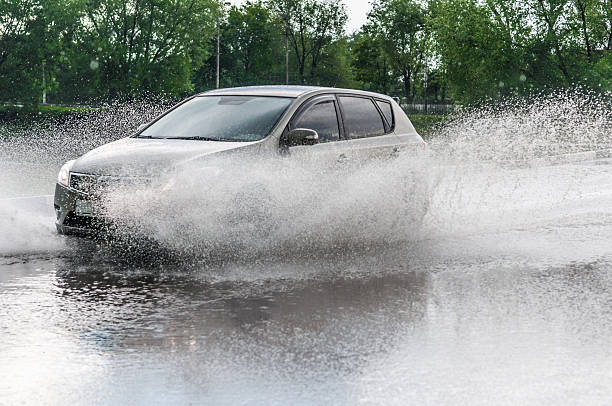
x=63 y=177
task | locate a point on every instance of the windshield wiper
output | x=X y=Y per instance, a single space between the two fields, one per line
x=190 y=138
x=200 y=138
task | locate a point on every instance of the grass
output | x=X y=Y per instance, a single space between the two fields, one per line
x=23 y=114
x=425 y=124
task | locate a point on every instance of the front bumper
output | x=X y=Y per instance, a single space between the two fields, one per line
x=67 y=220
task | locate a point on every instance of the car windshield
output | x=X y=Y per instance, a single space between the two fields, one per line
x=220 y=118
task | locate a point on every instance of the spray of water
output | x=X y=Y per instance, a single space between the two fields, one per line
x=31 y=153
x=277 y=205
x=484 y=171
x=522 y=130
x=518 y=163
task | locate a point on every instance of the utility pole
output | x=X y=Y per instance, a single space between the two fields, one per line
x=286 y=47
x=44 y=84
x=226 y=4
x=287 y=55
x=425 y=84
x=218 y=43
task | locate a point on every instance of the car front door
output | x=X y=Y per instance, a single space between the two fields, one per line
x=320 y=114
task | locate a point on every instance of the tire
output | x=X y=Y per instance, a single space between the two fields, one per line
x=415 y=204
x=252 y=213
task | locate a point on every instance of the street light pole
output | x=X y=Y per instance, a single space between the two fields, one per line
x=226 y=4
x=286 y=18
x=425 y=84
x=287 y=55
x=218 y=44
x=44 y=84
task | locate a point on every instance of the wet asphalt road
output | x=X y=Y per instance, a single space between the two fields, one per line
x=486 y=306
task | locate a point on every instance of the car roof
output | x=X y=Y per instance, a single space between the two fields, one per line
x=285 y=91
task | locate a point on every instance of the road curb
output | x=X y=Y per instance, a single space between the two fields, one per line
x=572 y=157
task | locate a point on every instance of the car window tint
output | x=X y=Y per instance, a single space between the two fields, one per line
x=361 y=117
x=322 y=118
x=385 y=107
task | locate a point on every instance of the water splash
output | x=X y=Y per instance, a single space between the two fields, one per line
x=519 y=130
x=31 y=153
x=484 y=173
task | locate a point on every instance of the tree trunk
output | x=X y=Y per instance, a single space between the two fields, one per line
x=610 y=22
x=407 y=86
x=582 y=8
x=553 y=34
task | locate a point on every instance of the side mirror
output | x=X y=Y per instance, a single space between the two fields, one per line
x=302 y=136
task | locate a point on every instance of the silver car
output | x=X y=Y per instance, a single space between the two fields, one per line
x=268 y=121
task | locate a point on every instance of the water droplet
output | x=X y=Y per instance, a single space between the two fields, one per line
x=522 y=78
x=94 y=65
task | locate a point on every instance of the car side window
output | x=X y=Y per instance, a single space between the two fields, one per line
x=361 y=117
x=385 y=107
x=323 y=119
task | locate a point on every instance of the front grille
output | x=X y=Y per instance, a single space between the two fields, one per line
x=72 y=220
x=83 y=183
x=97 y=184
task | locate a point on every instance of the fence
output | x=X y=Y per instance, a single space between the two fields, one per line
x=431 y=108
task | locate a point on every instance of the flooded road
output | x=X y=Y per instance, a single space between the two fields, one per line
x=502 y=296
x=516 y=313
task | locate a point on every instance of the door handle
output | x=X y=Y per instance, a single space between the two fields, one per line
x=342 y=158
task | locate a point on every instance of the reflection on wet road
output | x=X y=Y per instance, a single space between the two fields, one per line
x=422 y=323
x=503 y=297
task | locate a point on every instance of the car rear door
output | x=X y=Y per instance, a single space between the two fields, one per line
x=368 y=125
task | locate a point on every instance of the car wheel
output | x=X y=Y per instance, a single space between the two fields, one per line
x=415 y=203
x=252 y=213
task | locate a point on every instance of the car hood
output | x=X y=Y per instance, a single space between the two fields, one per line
x=144 y=156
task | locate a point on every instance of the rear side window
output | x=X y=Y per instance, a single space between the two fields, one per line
x=361 y=117
x=322 y=118
x=385 y=107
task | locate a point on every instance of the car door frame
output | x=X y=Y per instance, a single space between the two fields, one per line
x=334 y=150
x=307 y=104
x=381 y=146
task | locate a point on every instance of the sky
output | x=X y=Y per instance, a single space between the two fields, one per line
x=357 y=11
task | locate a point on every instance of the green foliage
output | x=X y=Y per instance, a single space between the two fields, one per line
x=311 y=26
x=31 y=35
x=498 y=48
x=29 y=113
x=425 y=124
x=134 y=46
x=251 y=49
x=333 y=68
x=460 y=51
x=400 y=28
x=371 y=65
x=466 y=48
x=601 y=74
x=251 y=36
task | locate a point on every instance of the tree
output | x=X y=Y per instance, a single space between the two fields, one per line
x=488 y=50
x=371 y=65
x=31 y=32
x=311 y=25
x=400 y=28
x=253 y=43
x=125 y=47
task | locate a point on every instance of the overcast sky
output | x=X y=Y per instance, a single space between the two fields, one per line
x=356 y=9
